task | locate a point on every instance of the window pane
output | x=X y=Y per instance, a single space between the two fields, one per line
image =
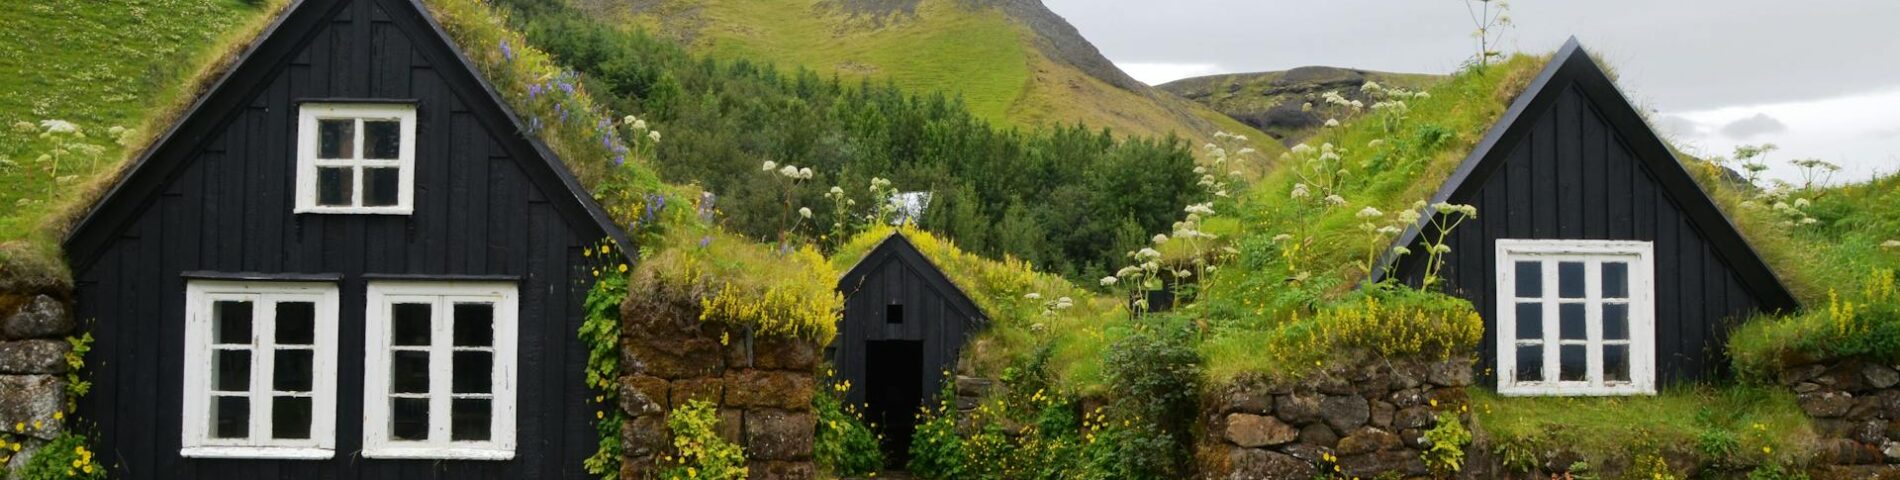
x=231 y=370
x=1530 y=363
x=231 y=323
x=1616 y=363
x=1530 y=321
x=1530 y=279
x=1570 y=279
x=290 y=417
x=474 y=372
x=382 y=139
x=230 y=417
x=1570 y=322
x=379 y=186
x=336 y=138
x=334 y=186
x=469 y=419
x=1616 y=280
x=410 y=372
x=293 y=370
x=409 y=419
x=411 y=323
x=474 y=324
x=1572 y=363
x=1616 y=321
x=296 y=323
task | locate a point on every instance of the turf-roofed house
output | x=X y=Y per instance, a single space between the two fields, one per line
x=904 y=325
x=1599 y=265
x=346 y=260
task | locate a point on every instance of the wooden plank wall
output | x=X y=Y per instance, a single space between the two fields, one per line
x=229 y=210
x=929 y=315
x=1573 y=177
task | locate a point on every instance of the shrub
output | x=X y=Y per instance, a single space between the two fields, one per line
x=844 y=445
x=65 y=457
x=936 y=451
x=1865 y=324
x=1445 y=455
x=1154 y=379
x=1387 y=321
x=701 y=452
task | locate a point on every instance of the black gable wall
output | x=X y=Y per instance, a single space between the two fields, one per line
x=480 y=211
x=1574 y=175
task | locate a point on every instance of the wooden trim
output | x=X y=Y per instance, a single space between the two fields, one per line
x=195 y=436
x=1641 y=304
x=359 y=101
x=308 y=118
x=262 y=277
x=377 y=441
x=425 y=277
x=900 y=249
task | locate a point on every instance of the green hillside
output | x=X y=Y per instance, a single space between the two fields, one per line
x=1272 y=101
x=1013 y=62
x=96 y=65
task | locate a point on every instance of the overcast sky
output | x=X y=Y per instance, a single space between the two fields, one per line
x=1821 y=79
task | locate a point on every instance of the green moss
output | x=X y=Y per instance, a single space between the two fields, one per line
x=1728 y=428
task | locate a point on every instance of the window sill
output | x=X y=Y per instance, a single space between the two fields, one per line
x=439 y=453
x=355 y=210
x=1573 y=391
x=277 y=453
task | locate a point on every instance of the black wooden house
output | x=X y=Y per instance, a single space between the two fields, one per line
x=346 y=260
x=903 y=326
x=1599 y=265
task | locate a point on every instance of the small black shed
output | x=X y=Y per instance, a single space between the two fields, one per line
x=1599 y=265
x=346 y=260
x=904 y=324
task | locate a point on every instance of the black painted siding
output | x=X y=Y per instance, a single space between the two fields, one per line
x=936 y=312
x=1574 y=176
x=479 y=210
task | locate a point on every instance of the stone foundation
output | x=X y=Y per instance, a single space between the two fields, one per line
x=1855 y=407
x=34 y=323
x=763 y=387
x=1371 y=418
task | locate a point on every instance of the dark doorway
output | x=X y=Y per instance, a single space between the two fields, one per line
x=893 y=389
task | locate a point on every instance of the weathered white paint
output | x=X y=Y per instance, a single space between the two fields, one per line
x=382 y=295
x=197 y=438
x=307 y=161
x=1640 y=256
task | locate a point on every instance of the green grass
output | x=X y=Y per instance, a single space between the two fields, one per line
x=1736 y=428
x=98 y=65
x=1247 y=94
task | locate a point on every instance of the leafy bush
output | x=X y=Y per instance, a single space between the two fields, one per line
x=65 y=457
x=1154 y=379
x=1386 y=321
x=844 y=445
x=1865 y=324
x=701 y=452
x=1445 y=455
x=937 y=452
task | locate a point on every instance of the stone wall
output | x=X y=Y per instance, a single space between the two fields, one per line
x=1855 y=407
x=34 y=323
x=1371 y=418
x=763 y=387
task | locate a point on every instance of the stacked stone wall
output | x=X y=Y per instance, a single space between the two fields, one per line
x=1855 y=409
x=1369 y=421
x=34 y=323
x=762 y=385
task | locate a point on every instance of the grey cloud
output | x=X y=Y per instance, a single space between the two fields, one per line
x=1677 y=126
x=1757 y=125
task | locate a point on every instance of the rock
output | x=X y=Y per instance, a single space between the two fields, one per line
x=1367 y=440
x=1805 y=387
x=1311 y=454
x=1879 y=376
x=778 y=435
x=732 y=425
x=790 y=391
x=710 y=390
x=775 y=353
x=1332 y=385
x=26 y=357
x=41 y=317
x=1834 y=427
x=674 y=358
x=1412 y=438
x=1319 y=434
x=973 y=386
x=1449 y=373
x=1871 y=432
x=1414 y=417
x=1891 y=450
x=1388 y=462
x=1256 y=464
x=643 y=395
x=1249 y=430
x=1248 y=400
x=1408 y=397
x=780 y=470
x=1382 y=414
x=1297 y=408
x=26 y=399
x=1407 y=375
x=1801 y=374
x=1825 y=404
x=1345 y=412
x=644 y=435
x=1841 y=451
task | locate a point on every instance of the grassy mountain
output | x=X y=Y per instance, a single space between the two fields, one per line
x=1013 y=61
x=1272 y=101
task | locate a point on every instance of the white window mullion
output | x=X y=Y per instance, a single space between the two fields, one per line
x=441 y=370
x=1551 y=301
x=263 y=363
x=199 y=436
x=1593 y=321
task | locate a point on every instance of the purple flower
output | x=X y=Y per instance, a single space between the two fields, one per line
x=534 y=90
x=704 y=241
x=567 y=87
x=620 y=160
x=506 y=52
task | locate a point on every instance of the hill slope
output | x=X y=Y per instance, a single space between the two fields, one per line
x=1271 y=101
x=1013 y=61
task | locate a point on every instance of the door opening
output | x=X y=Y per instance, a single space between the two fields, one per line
x=893 y=391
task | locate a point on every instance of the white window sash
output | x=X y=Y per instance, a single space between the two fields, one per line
x=196 y=435
x=307 y=162
x=1548 y=254
x=377 y=438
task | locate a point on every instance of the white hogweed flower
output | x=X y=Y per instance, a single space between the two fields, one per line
x=655 y=135
x=1408 y=216
x=769 y=166
x=836 y=190
x=1370 y=212
x=805 y=173
x=58 y=126
x=1299 y=191
x=1335 y=200
x=1033 y=296
x=1332 y=122
x=788 y=171
x=1389 y=230
x=804 y=212
x=1401 y=251
x=1282 y=237
x=1149 y=252
x=1159 y=239
x=1109 y=281
x=1891 y=244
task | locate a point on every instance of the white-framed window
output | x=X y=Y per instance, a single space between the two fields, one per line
x=439 y=376
x=1576 y=317
x=260 y=369
x=356 y=158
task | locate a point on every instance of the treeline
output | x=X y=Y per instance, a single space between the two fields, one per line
x=1067 y=198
